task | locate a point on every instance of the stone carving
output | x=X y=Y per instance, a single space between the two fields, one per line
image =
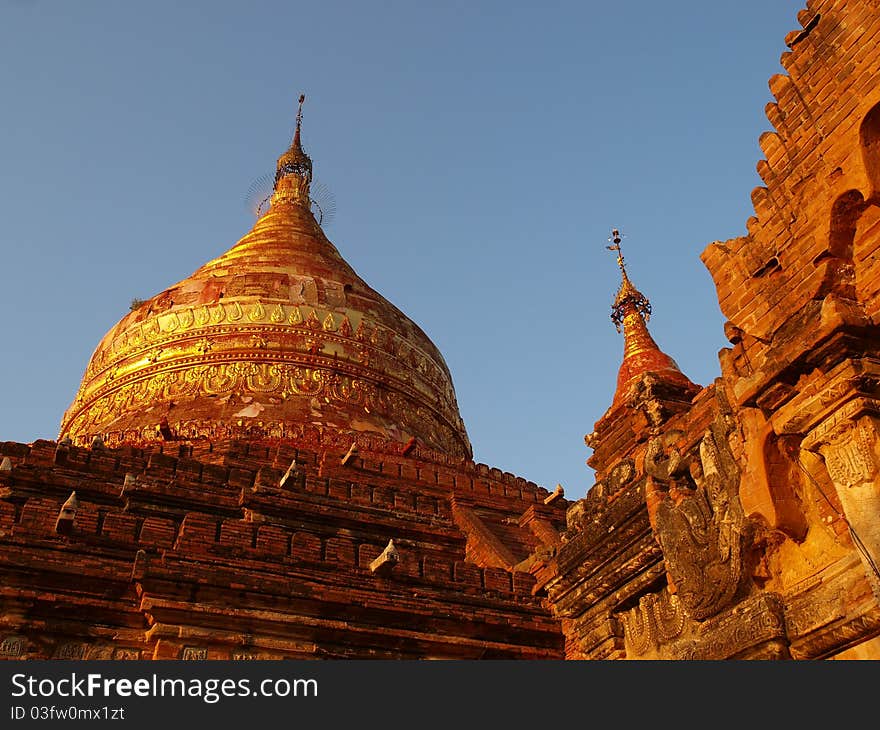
x=12 y=646
x=755 y=623
x=575 y=515
x=654 y=397
x=99 y=652
x=663 y=460
x=194 y=653
x=127 y=654
x=850 y=458
x=71 y=650
x=821 y=642
x=668 y=616
x=638 y=629
x=805 y=616
x=642 y=395
x=657 y=619
x=698 y=521
x=846 y=441
x=621 y=475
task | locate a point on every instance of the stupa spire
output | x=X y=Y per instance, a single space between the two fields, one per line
x=299 y=118
x=293 y=173
x=630 y=313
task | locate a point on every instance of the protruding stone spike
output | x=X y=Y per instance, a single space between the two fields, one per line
x=291 y=471
x=139 y=567
x=67 y=515
x=558 y=494
x=387 y=559
x=350 y=454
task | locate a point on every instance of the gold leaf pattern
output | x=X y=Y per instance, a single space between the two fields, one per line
x=345 y=327
x=237 y=313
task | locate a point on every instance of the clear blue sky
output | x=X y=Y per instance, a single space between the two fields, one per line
x=479 y=154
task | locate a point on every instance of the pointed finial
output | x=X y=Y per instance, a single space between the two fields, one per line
x=297 y=143
x=615 y=246
x=627 y=295
x=630 y=312
x=293 y=173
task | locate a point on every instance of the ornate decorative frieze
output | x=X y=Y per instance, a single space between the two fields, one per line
x=746 y=628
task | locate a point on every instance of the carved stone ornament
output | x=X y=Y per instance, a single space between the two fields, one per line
x=656 y=620
x=71 y=650
x=850 y=461
x=698 y=521
x=126 y=654
x=847 y=445
x=12 y=646
x=194 y=653
x=847 y=442
x=644 y=395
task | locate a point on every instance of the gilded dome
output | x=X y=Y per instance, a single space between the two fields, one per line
x=276 y=334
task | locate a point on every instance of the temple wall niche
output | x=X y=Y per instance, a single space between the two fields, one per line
x=839 y=275
x=869 y=135
x=866 y=233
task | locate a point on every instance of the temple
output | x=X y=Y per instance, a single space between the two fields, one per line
x=266 y=460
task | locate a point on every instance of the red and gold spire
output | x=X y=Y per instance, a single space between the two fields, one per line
x=641 y=354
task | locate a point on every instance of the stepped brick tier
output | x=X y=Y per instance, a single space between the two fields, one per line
x=223 y=551
x=267 y=459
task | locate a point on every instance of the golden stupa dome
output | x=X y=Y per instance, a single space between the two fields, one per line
x=276 y=334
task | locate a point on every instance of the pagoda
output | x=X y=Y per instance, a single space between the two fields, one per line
x=266 y=460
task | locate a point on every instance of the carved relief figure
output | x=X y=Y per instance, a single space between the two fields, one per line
x=698 y=521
